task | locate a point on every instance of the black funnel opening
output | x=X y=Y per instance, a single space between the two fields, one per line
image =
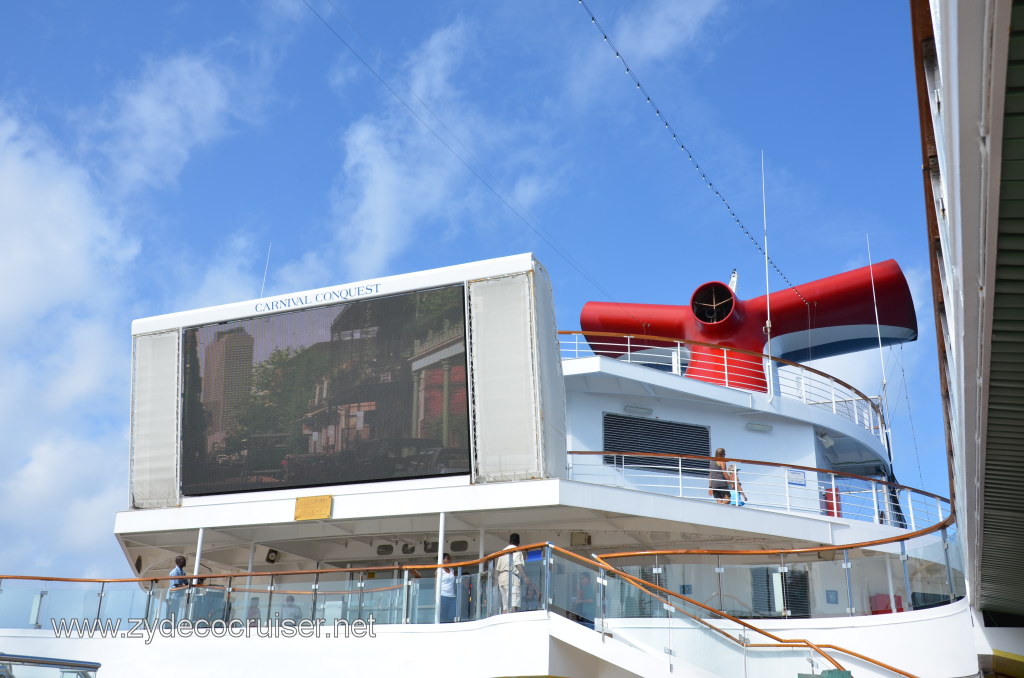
x=712 y=302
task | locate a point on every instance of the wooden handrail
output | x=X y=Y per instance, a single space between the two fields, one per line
x=598 y=563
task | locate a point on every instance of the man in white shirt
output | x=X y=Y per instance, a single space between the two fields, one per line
x=510 y=572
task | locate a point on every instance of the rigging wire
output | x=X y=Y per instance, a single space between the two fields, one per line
x=910 y=416
x=683 y=147
x=492 y=187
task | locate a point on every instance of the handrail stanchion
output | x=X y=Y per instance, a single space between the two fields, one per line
x=938 y=503
x=316 y=590
x=874 y=501
x=99 y=604
x=405 y=596
x=546 y=572
x=851 y=610
x=785 y=484
x=149 y=598
x=906 y=574
x=910 y=508
x=629 y=349
x=725 y=364
x=949 y=567
x=803 y=386
x=832 y=385
x=679 y=472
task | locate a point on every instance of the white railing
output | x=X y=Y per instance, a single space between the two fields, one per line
x=793 y=489
x=733 y=368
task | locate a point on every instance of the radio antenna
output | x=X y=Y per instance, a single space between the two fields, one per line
x=770 y=367
x=881 y=353
x=266 y=268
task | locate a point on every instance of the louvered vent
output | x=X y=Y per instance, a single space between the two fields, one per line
x=635 y=434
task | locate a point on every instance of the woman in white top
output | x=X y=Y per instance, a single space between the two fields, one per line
x=447 y=591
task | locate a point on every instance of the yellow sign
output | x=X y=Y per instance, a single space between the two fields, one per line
x=313 y=508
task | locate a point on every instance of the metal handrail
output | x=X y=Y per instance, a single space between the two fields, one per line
x=661 y=352
x=839 y=494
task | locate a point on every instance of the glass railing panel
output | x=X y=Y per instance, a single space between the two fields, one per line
x=337 y=597
x=125 y=600
x=956 y=562
x=208 y=601
x=19 y=599
x=382 y=598
x=421 y=599
x=926 y=571
x=693 y=576
x=693 y=638
x=292 y=598
x=249 y=599
x=815 y=585
x=753 y=587
x=782 y=662
x=64 y=601
x=877 y=581
x=574 y=590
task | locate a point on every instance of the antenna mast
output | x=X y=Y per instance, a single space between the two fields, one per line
x=266 y=268
x=769 y=368
x=881 y=354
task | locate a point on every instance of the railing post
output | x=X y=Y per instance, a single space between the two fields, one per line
x=849 y=587
x=679 y=473
x=629 y=349
x=785 y=484
x=832 y=385
x=316 y=591
x=405 y=596
x=908 y=605
x=99 y=605
x=149 y=597
x=725 y=365
x=546 y=572
x=577 y=345
x=949 y=567
x=874 y=501
x=835 y=497
x=910 y=508
x=938 y=503
x=677 y=360
x=803 y=385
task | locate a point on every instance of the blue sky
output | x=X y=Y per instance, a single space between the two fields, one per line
x=150 y=153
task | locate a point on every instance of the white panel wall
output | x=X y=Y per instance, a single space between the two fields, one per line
x=154 y=421
x=517 y=379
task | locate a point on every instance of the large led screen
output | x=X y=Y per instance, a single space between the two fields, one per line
x=354 y=392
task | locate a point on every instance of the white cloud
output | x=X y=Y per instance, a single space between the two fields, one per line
x=663 y=28
x=65 y=378
x=153 y=124
x=59 y=241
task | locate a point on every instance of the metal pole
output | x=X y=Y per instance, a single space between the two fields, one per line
x=849 y=587
x=548 y=562
x=199 y=552
x=949 y=567
x=908 y=605
x=437 y=572
x=874 y=501
x=99 y=605
x=910 y=508
x=479 y=573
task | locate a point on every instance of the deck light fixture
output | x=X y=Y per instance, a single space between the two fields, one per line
x=757 y=426
x=638 y=409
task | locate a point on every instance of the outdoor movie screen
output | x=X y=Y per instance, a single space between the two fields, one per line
x=353 y=392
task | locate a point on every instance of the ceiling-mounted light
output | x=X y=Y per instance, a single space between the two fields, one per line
x=826 y=439
x=757 y=426
x=638 y=409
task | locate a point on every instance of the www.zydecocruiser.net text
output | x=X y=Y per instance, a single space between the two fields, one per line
x=147 y=630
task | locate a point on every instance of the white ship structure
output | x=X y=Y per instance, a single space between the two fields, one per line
x=313 y=455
